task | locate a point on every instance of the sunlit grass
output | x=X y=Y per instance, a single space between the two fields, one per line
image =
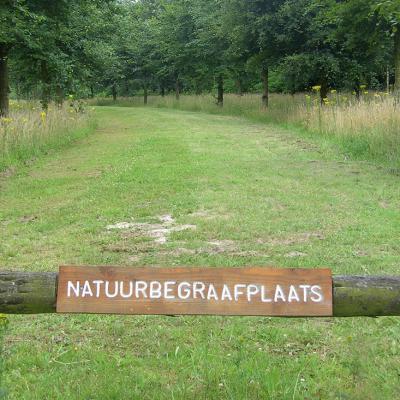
x=28 y=131
x=366 y=128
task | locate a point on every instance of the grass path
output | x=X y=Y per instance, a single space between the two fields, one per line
x=257 y=195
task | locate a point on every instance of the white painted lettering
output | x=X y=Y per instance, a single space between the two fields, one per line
x=97 y=284
x=75 y=289
x=121 y=290
x=237 y=291
x=86 y=290
x=141 y=287
x=279 y=295
x=155 y=290
x=198 y=288
x=107 y=289
x=264 y=297
x=212 y=293
x=168 y=289
x=316 y=290
x=226 y=293
x=252 y=290
x=305 y=294
x=184 y=290
x=293 y=296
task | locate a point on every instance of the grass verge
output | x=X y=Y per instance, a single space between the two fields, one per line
x=29 y=132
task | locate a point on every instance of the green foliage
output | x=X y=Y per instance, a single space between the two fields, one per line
x=122 y=47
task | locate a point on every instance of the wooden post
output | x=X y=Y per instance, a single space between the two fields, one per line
x=367 y=296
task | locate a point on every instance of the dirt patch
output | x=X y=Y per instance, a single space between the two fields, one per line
x=293 y=254
x=293 y=239
x=158 y=231
x=27 y=218
x=222 y=246
x=208 y=214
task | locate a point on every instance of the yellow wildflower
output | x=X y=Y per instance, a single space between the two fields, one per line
x=363 y=87
x=43 y=117
x=333 y=91
x=316 y=88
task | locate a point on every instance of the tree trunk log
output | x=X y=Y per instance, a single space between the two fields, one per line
x=59 y=96
x=114 y=92
x=28 y=292
x=145 y=94
x=368 y=296
x=220 y=95
x=265 y=83
x=397 y=62
x=4 y=100
x=46 y=85
x=177 y=89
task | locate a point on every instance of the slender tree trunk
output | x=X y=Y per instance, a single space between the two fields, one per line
x=46 y=85
x=162 y=91
x=114 y=92
x=145 y=93
x=357 y=90
x=4 y=100
x=91 y=92
x=177 y=89
x=265 y=83
x=323 y=93
x=220 y=85
x=59 y=95
x=127 y=88
x=239 y=86
x=397 y=62
x=387 y=79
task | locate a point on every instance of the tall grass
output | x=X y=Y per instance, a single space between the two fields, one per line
x=366 y=128
x=28 y=131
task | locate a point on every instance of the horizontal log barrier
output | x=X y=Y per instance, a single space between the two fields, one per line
x=368 y=296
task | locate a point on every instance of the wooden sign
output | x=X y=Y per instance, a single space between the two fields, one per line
x=192 y=291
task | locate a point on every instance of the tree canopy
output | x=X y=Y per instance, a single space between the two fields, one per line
x=49 y=49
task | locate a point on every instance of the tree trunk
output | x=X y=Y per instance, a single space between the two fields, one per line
x=59 y=96
x=91 y=92
x=127 y=88
x=397 y=62
x=265 y=83
x=177 y=89
x=220 y=96
x=145 y=94
x=239 y=86
x=4 y=100
x=114 y=92
x=323 y=93
x=46 y=85
x=162 y=91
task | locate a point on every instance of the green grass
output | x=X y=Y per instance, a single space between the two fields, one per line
x=367 y=130
x=264 y=196
x=28 y=133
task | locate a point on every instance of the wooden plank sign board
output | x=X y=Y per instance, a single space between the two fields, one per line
x=195 y=291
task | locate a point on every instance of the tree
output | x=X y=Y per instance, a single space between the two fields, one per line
x=389 y=11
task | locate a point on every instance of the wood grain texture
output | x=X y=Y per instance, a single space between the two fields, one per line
x=195 y=291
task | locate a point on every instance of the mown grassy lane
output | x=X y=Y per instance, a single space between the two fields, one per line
x=257 y=195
